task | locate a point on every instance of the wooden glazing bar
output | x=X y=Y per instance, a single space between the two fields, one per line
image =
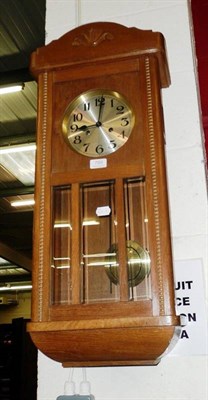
x=121 y=236
x=75 y=248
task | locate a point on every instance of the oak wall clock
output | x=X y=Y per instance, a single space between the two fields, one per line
x=102 y=275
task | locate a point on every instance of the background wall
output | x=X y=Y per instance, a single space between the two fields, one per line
x=175 y=378
x=21 y=310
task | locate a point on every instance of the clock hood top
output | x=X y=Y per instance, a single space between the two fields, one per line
x=97 y=41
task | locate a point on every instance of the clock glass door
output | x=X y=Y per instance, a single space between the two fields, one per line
x=105 y=235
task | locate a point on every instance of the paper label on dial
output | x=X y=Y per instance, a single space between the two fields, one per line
x=103 y=211
x=98 y=163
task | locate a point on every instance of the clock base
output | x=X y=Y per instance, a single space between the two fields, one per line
x=109 y=346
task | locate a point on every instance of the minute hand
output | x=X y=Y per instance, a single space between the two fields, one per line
x=102 y=100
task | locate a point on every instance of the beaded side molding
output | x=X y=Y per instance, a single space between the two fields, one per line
x=154 y=186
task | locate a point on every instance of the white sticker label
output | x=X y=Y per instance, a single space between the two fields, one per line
x=103 y=211
x=99 y=163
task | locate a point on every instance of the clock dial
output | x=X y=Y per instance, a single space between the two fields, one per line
x=98 y=123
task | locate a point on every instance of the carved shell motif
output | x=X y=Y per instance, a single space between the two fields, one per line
x=92 y=38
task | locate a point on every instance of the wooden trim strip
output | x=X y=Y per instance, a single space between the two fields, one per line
x=42 y=196
x=65 y=178
x=104 y=323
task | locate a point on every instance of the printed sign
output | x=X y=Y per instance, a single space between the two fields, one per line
x=190 y=304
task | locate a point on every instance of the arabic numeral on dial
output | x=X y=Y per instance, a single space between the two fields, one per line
x=124 y=121
x=99 y=149
x=120 y=110
x=100 y=101
x=112 y=144
x=86 y=146
x=73 y=127
x=77 y=117
x=112 y=102
x=86 y=106
x=77 y=139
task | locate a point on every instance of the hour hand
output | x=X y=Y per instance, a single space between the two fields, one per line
x=86 y=128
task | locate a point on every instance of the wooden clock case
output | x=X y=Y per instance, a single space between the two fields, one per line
x=124 y=332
